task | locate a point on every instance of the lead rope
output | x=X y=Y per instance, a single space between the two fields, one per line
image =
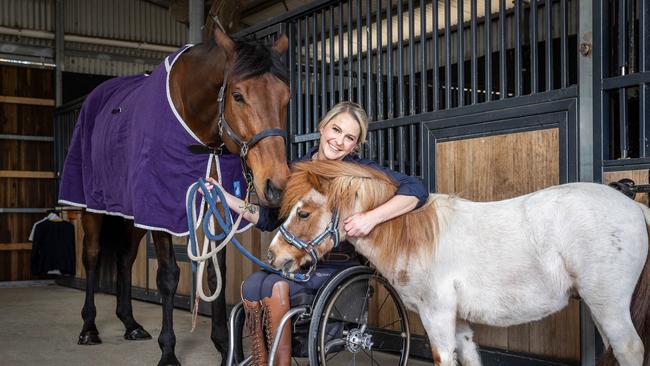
x=209 y=240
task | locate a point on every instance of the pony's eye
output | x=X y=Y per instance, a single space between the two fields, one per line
x=303 y=214
x=238 y=97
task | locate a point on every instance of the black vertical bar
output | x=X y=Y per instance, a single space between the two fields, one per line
x=622 y=64
x=323 y=64
x=292 y=88
x=341 y=66
x=533 y=46
x=380 y=72
x=548 y=8
x=564 y=35
x=474 y=52
x=389 y=58
x=381 y=153
x=412 y=150
x=447 y=54
x=435 y=56
x=644 y=66
x=411 y=96
x=503 y=80
x=391 y=148
x=488 y=49
x=308 y=114
x=460 y=61
x=423 y=57
x=315 y=76
x=369 y=75
x=360 y=98
x=401 y=148
x=350 y=54
x=300 y=98
x=331 y=58
x=400 y=59
x=518 y=67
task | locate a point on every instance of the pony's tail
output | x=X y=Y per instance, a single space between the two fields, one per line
x=640 y=307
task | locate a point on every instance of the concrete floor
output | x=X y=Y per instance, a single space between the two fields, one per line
x=39 y=325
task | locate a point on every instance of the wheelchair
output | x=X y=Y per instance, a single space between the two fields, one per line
x=355 y=317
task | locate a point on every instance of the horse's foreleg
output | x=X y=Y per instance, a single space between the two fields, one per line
x=125 y=259
x=167 y=281
x=440 y=325
x=92 y=225
x=219 y=333
x=467 y=352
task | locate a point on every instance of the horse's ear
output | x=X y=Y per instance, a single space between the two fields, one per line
x=281 y=45
x=225 y=43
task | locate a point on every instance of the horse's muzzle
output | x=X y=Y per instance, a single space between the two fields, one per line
x=272 y=193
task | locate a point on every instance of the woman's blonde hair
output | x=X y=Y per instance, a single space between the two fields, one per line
x=353 y=109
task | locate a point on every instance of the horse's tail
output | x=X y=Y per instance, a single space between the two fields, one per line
x=640 y=307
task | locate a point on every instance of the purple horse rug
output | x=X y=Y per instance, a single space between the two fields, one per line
x=129 y=154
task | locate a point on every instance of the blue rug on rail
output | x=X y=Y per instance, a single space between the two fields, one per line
x=128 y=155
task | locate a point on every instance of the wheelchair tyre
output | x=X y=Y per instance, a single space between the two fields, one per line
x=342 y=332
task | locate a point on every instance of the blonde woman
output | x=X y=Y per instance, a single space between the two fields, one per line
x=343 y=131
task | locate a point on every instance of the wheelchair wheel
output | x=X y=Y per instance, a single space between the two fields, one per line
x=358 y=318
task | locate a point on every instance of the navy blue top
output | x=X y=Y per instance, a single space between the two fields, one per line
x=408 y=186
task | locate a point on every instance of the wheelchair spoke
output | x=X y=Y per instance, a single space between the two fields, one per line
x=390 y=324
x=383 y=303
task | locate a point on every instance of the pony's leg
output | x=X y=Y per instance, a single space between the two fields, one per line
x=617 y=327
x=219 y=333
x=92 y=225
x=440 y=325
x=125 y=259
x=467 y=352
x=167 y=281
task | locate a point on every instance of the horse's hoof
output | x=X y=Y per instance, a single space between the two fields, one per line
x=137 y=334
x=89 y=338
x=169 y=361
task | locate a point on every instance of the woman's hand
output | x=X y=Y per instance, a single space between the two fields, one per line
x=210 y=183
x=359 y=224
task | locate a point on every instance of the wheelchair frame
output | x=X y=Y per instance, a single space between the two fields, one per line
x=314 y=313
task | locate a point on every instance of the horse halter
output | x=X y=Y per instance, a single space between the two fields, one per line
x=244 y=146
x=310 y=246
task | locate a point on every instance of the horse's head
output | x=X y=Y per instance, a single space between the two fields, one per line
x=320 y=195
x=252 y=118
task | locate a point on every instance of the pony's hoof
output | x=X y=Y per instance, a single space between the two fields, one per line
x=169 y=361
x=89 y=338
x=137 y=334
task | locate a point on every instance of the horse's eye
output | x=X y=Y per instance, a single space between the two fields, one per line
x=303 y=214
x=238 y=97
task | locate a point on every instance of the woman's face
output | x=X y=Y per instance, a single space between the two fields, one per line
x=338 y=137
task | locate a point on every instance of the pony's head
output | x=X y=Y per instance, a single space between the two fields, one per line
x=316 y=192
x=255 y=103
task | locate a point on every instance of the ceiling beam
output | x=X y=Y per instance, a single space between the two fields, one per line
x=256 y=6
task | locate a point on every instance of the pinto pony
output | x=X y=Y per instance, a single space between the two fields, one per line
x=496 y=263
x=141 y=141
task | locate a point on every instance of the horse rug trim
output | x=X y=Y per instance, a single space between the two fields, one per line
x=128 y=155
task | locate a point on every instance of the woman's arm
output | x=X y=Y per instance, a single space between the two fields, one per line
x=362 y=223
x=235 y=203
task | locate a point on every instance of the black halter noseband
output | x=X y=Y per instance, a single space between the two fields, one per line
x=244 y=146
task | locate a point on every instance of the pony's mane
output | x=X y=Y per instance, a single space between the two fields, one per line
x=343 y=180
x=344 y=183
x=255 y=59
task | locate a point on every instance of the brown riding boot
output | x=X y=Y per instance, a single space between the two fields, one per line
x=255 y=326
x=275 y=307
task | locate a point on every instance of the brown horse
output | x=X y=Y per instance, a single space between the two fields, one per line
x=247 y=115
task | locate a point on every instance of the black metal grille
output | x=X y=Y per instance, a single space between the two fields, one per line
x=622 y=77
x=405 y=59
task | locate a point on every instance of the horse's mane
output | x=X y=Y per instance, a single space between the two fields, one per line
x=255 y=59
x=343 y=183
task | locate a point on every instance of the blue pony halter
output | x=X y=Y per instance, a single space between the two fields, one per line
x=310 y=246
